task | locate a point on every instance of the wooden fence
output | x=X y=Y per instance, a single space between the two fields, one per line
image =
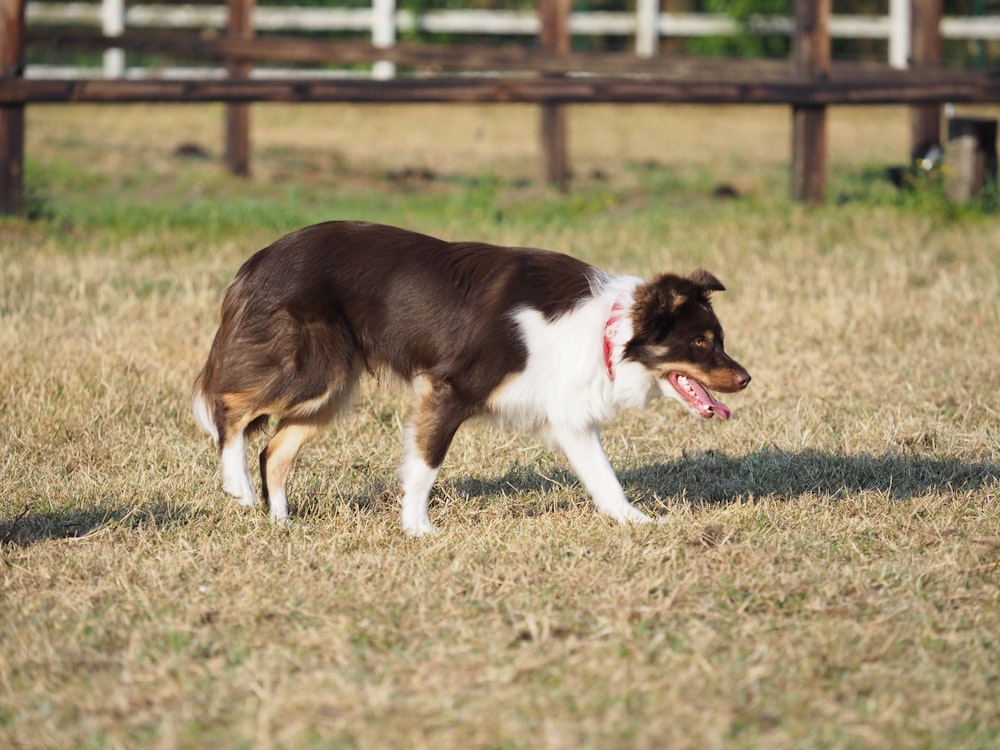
x=383 y=22
x=548 y=75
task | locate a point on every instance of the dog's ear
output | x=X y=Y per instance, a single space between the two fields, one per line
x=655 y=306
x=706 y=281
x=654 y=310
x=664 y=294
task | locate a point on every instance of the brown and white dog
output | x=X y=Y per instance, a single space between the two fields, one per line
x=536 y=339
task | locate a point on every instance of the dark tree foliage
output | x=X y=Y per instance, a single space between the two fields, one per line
x=749 y=43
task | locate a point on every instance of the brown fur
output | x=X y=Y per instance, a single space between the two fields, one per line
x=295 y=335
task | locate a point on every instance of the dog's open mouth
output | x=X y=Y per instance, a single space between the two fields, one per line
x=698 y=397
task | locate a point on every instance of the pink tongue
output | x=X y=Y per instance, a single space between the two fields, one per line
x=719 y=408
x=707 y=399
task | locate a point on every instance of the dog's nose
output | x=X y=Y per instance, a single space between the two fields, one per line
x=743 y=379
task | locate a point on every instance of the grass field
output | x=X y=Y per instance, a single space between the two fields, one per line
x=827 y=574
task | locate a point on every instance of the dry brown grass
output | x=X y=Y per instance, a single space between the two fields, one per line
x=828 y=569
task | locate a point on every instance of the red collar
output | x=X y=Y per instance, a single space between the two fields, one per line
x=610 y=330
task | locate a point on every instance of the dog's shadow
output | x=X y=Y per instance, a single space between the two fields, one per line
x=716 y=479
x=33 y=525
x=707 y=478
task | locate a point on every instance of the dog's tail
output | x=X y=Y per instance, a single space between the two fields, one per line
x=202 y=409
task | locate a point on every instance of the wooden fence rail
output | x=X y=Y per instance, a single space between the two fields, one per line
x=838 y=89
x=384 y=22
x=549 y=76
x=456 y=58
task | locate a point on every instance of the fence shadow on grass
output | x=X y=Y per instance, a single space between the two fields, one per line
x=717 y=478
x=32 y=525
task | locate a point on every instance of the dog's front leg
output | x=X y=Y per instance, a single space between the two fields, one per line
x=417 y=478
x=439 y=413
x=587 y=457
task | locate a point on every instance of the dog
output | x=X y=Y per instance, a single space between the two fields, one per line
x=536 y=339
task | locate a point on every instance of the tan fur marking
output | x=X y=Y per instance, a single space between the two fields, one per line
x=496 y=397
x=724 y=381
x=241 y=402
x=424 y=421
x=310 y=407
x=284 y=447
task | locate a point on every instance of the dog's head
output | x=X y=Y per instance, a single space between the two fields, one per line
x=677 y=337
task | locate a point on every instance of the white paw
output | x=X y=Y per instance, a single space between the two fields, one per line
x=283 y=522
x=419 y=527
x=631 y=514
x=242 y=494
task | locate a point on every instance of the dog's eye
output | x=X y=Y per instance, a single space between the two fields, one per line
x=700 y=342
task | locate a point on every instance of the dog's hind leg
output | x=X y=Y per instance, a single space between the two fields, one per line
x=235 y=472
x=233 y=412
x=277 y=460
x=299 y=424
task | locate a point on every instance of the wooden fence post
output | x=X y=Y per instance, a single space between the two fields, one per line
x=238 y=115
x=554 y=36
x=811 y=49
x=12 y=115
x=925 y=52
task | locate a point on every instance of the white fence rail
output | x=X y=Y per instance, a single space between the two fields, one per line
x=383 y=21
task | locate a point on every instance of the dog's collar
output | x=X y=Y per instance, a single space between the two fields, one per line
x=610 y=331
